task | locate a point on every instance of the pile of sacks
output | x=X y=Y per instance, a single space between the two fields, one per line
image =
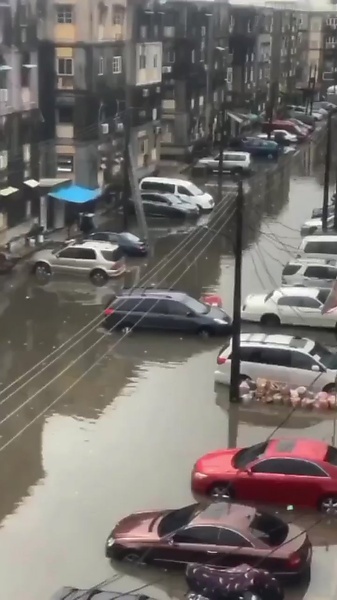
x=271 y=392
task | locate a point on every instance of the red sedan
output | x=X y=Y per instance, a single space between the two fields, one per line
x=285 y=471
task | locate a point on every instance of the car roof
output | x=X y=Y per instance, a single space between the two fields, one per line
x=277 y=340
x=98 y=245
x=319 y=238
x=300 y=448
x=225 y=514
x=152 y=293
x=309 y=292
x=245 y=154
x=326 y=262
x=167 y=180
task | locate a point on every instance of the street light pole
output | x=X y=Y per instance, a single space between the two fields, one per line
x=327 y=175
x=234 y=393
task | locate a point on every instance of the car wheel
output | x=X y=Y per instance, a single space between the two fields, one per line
x=270 y=156
x=237 y=171
x=131 y=556
x=221 y=491
x=328 y=505
x=330 y=388
x=42 y=269
x=205 y=332
x=270 y=321
x=98 y=277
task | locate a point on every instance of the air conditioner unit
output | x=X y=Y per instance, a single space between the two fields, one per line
x=105 y=128
x=166 y=69
x=146 y=93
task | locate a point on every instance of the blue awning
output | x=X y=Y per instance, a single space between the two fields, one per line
x=76 y=194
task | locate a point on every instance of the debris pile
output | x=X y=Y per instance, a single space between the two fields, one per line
x=271 y=392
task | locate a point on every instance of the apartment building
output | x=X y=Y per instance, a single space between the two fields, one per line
x=195 y=51
x=98 y=80
x=328 y=61
x=19 y=110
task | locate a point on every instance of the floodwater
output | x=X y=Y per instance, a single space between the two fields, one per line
x=103 y=426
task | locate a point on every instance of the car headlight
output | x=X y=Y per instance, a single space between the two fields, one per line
x=110 y=542
x=221 y=321
x=199 y=475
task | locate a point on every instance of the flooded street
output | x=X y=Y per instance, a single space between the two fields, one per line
x=126 y=436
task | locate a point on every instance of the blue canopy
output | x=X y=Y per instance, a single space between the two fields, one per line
x=76 y=194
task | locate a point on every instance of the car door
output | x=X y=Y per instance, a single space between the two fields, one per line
x=149 y=206
x=277 y=364
x=289 y=310
x=234 y=548
x=86 y=260
x=143 y=316
x=65 y=260
x=162 y=206
x=311 y=313
x=317 y=275
x=180 y=317
x=263 y=482
x=190 y=545
x=304 y=369
x=160 y=317
x=305 y=482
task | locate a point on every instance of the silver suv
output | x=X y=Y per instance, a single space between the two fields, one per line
x=98 y=260
x=310 y=273
x=281 y=358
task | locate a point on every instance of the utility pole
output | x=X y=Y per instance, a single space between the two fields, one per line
x=126 y=164
x=327 y=174
x=234 y=393
x=272 y=101
x=313 y=89
x=221 y=149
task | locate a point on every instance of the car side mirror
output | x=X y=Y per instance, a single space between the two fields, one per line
x=315 y=368
x=190 y=314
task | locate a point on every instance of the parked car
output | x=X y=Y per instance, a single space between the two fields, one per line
x=257 y=147
x=166 y=310
x=305 y=127
x=318 y=111
x=97 y=261
x=318 y=246
x=286 y=359
x=310 y=273
x=314 y=226
x=286 y=125
x=129 y=243
x=289 y=306
x=329 y=106
x=233 y=162
x=167 y=206
x=182 y=188
x=281 y=137
x=301 y=472
x=217 y=535
x=306 y=119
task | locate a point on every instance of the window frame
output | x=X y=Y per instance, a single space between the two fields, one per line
x=68 y=60
x=117 y=60
x=62 y=10
x=67 y=157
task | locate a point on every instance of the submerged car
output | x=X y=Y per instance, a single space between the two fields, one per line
x=315 y=225
x=167 y=206
x=301 y=472
x=222 y=534
x=129 y=243
x=166 y=310
x=300 y=306
x=233 y=162
x=258 y=148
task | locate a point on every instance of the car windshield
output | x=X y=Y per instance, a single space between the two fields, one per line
x=196 y=306
x=176 y=519
x=269 y=529
x=327 y=358
x=248 y=455
x=195 y=191
x=331 y=455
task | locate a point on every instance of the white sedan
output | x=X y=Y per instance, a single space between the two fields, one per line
x=289 y=306
x=282 y=133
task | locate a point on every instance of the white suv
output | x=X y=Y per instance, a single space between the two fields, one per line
x=281 y=358
x=310 y=273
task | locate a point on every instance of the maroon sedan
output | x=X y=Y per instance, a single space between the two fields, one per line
x=222 y=534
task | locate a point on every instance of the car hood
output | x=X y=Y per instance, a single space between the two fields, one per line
x=138 y=525
x=217 y=313
x=218 y=462
x=42 y=255
x=255 y=299
x=313 y=223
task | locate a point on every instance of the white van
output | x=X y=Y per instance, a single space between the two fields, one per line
x=318 y=246
x=179 y=187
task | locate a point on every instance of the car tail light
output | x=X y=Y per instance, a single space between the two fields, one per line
x=221 y=360
x=294 y=560
x=109 y=311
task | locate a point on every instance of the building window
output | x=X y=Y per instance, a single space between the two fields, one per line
x=65 y=115
x=117 y=15
x=65 y=13
x=65 y=163
x=117 y=64
x=3 y=160
x=155 y=61
x=193 y=56
x=203 y=31
x=142 y=61
x=101 y=65
x=25 y=70
x=143 y=32
x=171 y=57
x=26 y=153
x=65 y=66
x=169 y=31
